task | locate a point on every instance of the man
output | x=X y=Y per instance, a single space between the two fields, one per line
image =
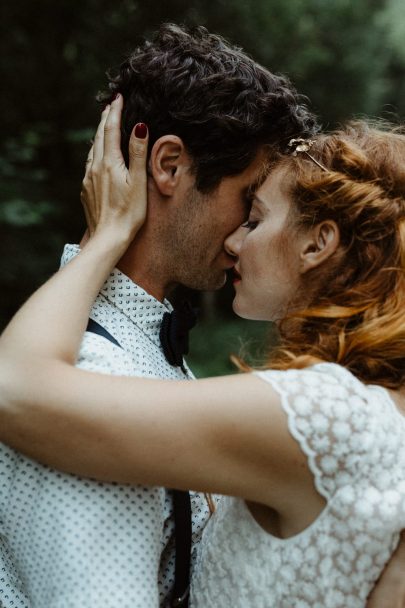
x=70 y=542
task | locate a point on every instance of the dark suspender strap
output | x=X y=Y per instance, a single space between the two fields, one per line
x=182 y=522
x=182 y=516
x=95 y=328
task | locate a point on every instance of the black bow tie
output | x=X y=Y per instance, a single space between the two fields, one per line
x=174 y=333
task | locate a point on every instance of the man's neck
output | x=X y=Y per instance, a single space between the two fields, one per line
x=141 y=265
x=133 y=265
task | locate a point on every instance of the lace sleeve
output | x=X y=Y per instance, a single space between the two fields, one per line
x=328 y=413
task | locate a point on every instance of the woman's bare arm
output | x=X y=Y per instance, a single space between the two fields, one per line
x=226 y=435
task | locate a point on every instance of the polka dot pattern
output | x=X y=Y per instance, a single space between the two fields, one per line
x=67 y=542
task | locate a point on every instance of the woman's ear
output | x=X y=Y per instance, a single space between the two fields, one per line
x=168 y=163
x=319 y=244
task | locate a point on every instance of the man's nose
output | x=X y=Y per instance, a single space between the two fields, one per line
x=233 y=242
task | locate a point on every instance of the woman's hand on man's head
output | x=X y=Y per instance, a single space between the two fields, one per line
x=114 y=197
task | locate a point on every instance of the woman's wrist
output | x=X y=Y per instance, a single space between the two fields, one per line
x=110 y=241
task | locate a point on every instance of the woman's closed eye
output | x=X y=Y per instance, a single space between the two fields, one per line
x=250 y=224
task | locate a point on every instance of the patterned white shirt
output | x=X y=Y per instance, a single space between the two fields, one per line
x=68 y=542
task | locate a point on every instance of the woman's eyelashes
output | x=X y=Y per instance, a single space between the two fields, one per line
x=250 y=224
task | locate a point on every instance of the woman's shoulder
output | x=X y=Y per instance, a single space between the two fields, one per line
x=335 y=392
x=348 y=429
x=329 y=380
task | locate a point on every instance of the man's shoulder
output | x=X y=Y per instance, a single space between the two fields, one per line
x=98 y=354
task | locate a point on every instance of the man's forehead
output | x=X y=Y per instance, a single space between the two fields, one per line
x=259 y=177
x=252 y=177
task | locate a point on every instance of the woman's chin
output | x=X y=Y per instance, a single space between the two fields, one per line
x=244 y=311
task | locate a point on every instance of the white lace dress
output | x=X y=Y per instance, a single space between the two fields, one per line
x=354 y=439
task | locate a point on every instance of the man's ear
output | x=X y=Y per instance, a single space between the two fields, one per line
x=168 y=163
x=319 y=244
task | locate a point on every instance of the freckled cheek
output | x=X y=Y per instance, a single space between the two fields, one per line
x=251 y=261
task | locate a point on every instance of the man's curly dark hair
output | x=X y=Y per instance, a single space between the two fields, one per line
x=222 y=104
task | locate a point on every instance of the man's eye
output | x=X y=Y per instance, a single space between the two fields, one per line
x=250 y=224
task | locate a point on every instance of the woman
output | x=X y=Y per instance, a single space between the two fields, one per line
x=314 y=446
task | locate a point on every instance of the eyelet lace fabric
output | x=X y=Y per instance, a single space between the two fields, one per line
x=354 y=439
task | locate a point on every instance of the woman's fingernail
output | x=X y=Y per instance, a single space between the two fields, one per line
x=141 y=130
x=118 y=95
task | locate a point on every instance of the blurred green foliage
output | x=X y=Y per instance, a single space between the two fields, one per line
x=348 y=57
x=213 y=342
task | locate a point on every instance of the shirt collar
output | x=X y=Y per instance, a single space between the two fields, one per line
x=130 y=299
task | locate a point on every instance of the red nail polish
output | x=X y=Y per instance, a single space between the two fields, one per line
x=141 y=130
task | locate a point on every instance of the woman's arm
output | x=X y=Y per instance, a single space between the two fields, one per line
x=224 y=435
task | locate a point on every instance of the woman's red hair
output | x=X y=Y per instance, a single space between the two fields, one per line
x=356 y=315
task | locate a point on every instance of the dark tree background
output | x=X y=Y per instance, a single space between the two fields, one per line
x=348 y=57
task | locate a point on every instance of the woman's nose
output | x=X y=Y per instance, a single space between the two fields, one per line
x=233 y=242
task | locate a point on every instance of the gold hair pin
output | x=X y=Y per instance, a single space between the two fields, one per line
x=303 y=145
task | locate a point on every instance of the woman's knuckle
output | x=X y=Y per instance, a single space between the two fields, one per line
x=94 y=172
x=137 y=150
x=110 y=125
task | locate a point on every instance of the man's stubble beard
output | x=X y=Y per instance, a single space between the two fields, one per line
x=192 y=256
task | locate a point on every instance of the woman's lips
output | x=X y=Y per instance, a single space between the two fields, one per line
x=236 y=276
